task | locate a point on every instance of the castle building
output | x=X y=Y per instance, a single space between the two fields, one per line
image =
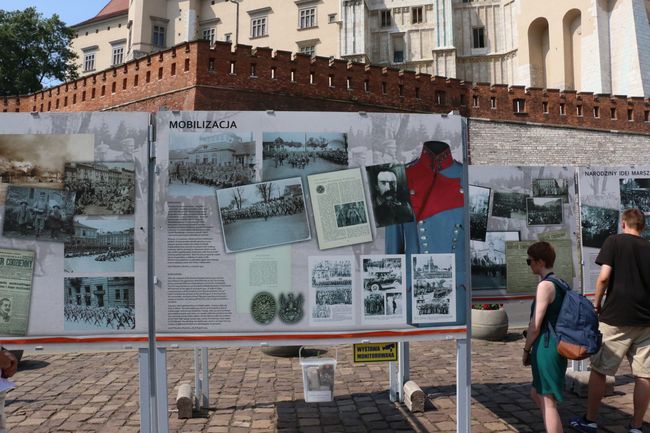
x=598 y=46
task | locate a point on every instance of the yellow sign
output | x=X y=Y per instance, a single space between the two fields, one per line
x=375 y=352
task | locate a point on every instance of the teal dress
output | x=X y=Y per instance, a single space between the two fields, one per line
x=548 y=366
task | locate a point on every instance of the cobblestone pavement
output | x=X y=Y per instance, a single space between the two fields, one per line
x=253 y=392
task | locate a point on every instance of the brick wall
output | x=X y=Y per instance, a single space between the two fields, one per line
x=510 y=143
x=197 y=76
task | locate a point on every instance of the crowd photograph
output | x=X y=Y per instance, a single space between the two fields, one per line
x=433 y=287
x=99 y=303
x=288 y=154
x=635 y=193
x=100 y=244
x=597 y=224
x=509 y=204
x=263 y=214
x=543 y=211
x=558 y=188
x=200 y=163
x=488 y=260
x=38 y=213
x=350 y=214
x=102 y=188
x=479 y=203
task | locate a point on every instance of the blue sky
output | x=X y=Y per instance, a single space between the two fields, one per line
x=70 y=11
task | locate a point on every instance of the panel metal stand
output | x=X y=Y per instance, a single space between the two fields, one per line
x=463 y=385
x=153 y=409
x=201 y=385
x=146 y=409
x=398 y=372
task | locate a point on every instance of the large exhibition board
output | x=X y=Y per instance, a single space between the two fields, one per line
x=511 y=208
x=73 y=215
x=604 y=193
x=267 y=226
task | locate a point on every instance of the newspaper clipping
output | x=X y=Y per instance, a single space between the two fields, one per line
x=434 y=288
x=16 y=270
x=330 y=291
x=383 y=278
x=340 y=209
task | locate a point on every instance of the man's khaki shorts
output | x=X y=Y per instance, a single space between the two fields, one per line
x=620 y=341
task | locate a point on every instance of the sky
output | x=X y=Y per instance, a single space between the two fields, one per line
x=70 y=11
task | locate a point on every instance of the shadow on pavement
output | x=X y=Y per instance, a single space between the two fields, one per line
x=32 y=364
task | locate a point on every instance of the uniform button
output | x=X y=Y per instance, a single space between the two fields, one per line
x=421 y=223
x=422 y=229
x=426 y=251
x=425 y=244
x=423 y=237
x=412 y=192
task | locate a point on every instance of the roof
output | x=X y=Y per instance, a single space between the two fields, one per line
x=113 y=9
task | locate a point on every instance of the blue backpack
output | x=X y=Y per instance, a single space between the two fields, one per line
x=576 y=330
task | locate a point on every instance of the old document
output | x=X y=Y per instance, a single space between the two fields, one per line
x=16 y=270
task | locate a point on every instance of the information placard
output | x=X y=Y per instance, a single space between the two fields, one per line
x=265 y=219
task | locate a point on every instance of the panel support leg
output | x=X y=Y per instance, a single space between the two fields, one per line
x=463 y=385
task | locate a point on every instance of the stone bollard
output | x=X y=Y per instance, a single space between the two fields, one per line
x=413 y=397
x=184 y=401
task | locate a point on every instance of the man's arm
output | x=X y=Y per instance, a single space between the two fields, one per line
x=8 y=363
x=601 y=286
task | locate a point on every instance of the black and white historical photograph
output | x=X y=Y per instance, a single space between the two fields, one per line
x=543 y=211
x=99 y=303
x=199 y=163
x=509 y=204
x=38 y=160
x=557 y=188
x=330 y=282
x=350 y=214
x=390 y=195
x=479 y=204
x=38 y=213
x=100 y=244
x=102 y=188
x=489 y=260
x=597 y=224
x=646 y=230
x=289 y=154
x=382 y=279
x=434 y=288
x=635 y=193
x=263 y=214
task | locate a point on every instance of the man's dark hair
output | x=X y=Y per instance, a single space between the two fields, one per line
x=634 y=219
x=542 y=251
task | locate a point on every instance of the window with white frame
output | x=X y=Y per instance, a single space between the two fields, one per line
x=307 y=18
x=478 y=37
x=386 y=19
x=158 y=35
x=227 y=37
x=118 y=54
x=89 y=61
x=258 y=27
x=209 y=34
x=417 y=15
x=308 y=49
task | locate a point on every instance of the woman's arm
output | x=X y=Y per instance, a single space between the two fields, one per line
x=543 y=298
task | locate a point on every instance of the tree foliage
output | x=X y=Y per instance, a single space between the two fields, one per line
x=34 y=49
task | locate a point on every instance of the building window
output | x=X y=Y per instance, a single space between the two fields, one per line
x=209 y=34
x=118 y=54
x=545 y=107
x=89 y=62
x=331 y=18
x=596 y=112
x=308 y=49
x=562 y=109
x=258 y=27
x=227 y=37
x=417 y=15
x=579 y=110
x=386 y=20
x=307 y=18
x=478 y=37
x=158 y=36
x=493 y=102
x=475 y=102
x=519 y=105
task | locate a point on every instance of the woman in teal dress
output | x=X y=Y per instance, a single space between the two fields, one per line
x=540 y=350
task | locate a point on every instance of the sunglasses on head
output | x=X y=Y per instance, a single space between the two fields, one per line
x=528 y=261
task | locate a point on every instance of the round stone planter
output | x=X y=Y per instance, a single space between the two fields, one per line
x=489 y=325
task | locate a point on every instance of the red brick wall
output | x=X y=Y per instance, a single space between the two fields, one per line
x=196 y=76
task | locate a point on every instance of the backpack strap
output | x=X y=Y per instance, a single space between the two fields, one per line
x=557 y=282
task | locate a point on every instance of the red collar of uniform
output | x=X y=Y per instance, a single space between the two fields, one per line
x=432 y=192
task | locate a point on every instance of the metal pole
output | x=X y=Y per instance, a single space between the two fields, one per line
x=463 y=385
x=237 y=25
x=151 y=310
x=145 y=386
x=205 y=395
